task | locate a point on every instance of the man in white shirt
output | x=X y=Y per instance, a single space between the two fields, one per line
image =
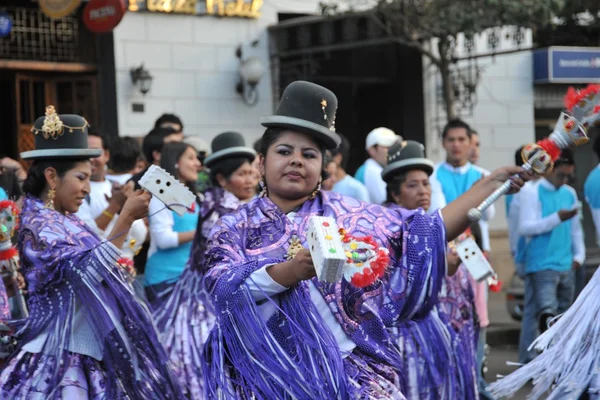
x=378 y=142
x=555 y=246
x=105 y=199
x=345 y=184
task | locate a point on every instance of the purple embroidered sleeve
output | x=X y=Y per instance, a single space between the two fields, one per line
x=64 y=262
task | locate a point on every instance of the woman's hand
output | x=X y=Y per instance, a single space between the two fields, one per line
x=136 y=206
x=302 y=265
x=290 y=273
x=453 y=261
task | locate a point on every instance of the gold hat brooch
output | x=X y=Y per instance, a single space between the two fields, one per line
x=53 y=127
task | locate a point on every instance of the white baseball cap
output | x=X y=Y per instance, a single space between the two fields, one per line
x=382 y=137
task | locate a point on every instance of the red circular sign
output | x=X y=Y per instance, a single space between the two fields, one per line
x=103 y=15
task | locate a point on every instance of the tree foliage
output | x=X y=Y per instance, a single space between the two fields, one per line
x=414 y=23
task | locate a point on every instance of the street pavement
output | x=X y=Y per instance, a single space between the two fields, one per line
x=503 y=332
x=497 y=366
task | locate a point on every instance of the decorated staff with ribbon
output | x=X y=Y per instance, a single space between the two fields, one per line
x=280 y=332
x=583 y=111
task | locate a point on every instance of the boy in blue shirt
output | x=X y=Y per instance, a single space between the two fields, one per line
x=555 y=246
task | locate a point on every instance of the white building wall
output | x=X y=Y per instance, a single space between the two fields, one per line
x=195 y=70
x=503 y=115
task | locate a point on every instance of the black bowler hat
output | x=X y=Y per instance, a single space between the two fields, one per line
x=60 y=136
x=229 y=145
x=308 y=108
x=406 y=156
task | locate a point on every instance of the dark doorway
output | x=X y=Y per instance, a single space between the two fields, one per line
x=377 y=83
x=8 y=143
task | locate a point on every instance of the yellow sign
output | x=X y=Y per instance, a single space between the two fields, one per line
x=173 y=6
x=58 y=8
x=235 y=8
x=221 y=8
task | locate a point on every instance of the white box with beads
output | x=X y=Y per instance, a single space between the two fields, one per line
x=326 y=250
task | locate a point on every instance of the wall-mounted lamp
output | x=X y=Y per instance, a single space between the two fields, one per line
x=251 y=72
x=141 y=78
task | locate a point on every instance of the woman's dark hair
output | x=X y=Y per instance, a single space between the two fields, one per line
x=226 y=167
x=36 y=181
x=393 y=186
x=170 y=155
x=124 y=154
x=9 y=181
x=272 y=134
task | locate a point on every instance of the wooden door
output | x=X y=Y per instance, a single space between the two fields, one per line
x=75 y=94
x=33 y=94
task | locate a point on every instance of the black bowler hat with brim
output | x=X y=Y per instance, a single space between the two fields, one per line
x=229 y=145
x=307 y=108
x=60 y=136
x=406 y=156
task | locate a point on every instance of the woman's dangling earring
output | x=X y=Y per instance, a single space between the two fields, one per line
x=50 y=199
x=263 y=188
x=317 y=189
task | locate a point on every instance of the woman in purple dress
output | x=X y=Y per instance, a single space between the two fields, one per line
x=185 y=319
x=448 y=332
x=282 y=334
x=87 y=336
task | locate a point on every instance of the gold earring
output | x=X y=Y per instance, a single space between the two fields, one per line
x=317 y=189
x=263 y=188
x=50 y=201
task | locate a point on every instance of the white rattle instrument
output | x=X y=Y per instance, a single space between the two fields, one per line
x=174 y=194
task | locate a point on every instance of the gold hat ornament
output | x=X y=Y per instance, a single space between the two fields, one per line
x=52 y=143
x=53 y=126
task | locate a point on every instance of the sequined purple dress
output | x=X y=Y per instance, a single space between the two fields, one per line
x=185 y=319
x=448 y=332
x=292 y=352
x=87 y=336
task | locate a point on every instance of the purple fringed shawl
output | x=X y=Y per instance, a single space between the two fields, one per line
x=4 y=305
x=439 y=347
x=293 y=354
x=185 y=319
x=64 y=261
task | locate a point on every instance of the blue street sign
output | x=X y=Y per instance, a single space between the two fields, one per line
x=5 y=24
x=567 y=65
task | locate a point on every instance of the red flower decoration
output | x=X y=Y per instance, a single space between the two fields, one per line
x=550 y=147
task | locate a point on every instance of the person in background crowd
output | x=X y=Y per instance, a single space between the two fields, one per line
x=185 y=319
x=9 y=163
x=378 y=142
x=407 y=176
x=454 y=177
x=329 y=173
x=202 y=151
x=152 y=146
x=171 y=121
x=518 y=248
x=474 y=152
x=591 y=190
x=171 y=235
x=345 y=184
x=555 y=246
x=87 y=335
x=106 y=199
x=124 y=154
x=10 y=187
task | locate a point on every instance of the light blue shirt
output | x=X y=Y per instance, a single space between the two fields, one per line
x=591 y=190
x=448 y=183
x=349 y=186
x=552 y=244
